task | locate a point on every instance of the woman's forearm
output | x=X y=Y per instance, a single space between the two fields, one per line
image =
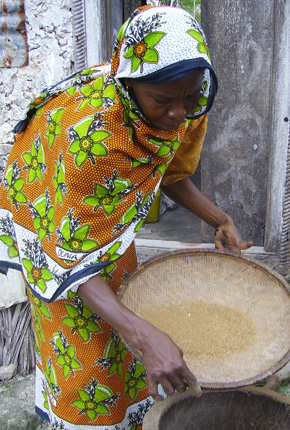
x=99 y=297
x=162 y=357
x=187 y=195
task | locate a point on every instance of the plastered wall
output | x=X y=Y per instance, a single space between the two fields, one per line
x=49 y=29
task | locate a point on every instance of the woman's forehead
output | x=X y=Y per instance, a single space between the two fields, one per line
x=188 y=84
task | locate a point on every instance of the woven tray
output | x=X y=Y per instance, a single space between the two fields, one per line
x=230 y=315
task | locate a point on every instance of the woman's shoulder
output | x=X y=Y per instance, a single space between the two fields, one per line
x=68 y=85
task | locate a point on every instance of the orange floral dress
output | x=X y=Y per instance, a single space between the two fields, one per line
x=79 y=182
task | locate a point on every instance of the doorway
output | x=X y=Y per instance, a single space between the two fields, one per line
x=177 y=224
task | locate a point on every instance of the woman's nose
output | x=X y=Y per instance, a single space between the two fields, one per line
x=177 y=111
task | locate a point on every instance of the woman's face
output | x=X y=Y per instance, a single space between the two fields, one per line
x=166 y=105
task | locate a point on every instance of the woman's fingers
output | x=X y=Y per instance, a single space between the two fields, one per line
x=191 y=381
x=165 y=366
x=232 y=242
x=174 y=382
x=194 y=386
x=153 y=388
x=246 y=245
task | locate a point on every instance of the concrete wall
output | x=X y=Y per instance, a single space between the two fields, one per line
x=51 y=57
x=238 y=145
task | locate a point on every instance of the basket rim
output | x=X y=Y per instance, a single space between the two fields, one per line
x=220 y=253
x=202 y=251
x=159 y=408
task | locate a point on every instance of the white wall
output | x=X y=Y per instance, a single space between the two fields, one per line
x=49 y=27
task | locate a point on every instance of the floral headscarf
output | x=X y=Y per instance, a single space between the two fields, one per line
x=160 y=44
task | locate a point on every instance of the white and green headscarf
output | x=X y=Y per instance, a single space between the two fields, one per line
x=161 y=44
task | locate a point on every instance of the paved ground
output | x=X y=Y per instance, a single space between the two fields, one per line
x=177 y=225
x=17 y=405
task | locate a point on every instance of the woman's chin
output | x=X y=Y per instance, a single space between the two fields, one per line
x=166 y=127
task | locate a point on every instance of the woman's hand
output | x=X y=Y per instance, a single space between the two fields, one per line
x=165 y=365
x=186 y=194
x=162 y=357
x=228 y=237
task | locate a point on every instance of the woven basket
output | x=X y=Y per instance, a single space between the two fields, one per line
x=242 y=409
x=230 y=315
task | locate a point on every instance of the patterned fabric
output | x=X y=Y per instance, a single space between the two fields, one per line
x=167 y=41
x=187 y=156
x=79 y=182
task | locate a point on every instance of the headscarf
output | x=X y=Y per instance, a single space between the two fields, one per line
x=161 y=45
x=85 y=166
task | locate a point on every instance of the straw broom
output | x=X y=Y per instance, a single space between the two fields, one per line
x=17 y=338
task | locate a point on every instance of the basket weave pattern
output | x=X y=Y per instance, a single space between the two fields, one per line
x=219 y=279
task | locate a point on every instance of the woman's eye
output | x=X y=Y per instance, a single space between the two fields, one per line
x=192 y=98
x=161 y=102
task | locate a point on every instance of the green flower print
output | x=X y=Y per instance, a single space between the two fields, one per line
x=37 y=327
x=79 y=79
x=202 y=101
x=130 y=119
x=65 y=354
x=8 y=237
x=106 y=272
x=135 y=379
x=165 y=147
x=141 y=41
x=114 y=355
x=161 y=168
x=111 y=254
x=41 y=308
x=36 y=265
x=14 y=185
x=137 y=212
x=42 y=214
x=98 y=93
x=202 y=46
x=87 y=140
x=74 y=237
x=59 y=180
x=135 y=162
x=109 y=195
x=34 y=161
x=50 y=375
x=45 y=399
x=95 y=400
x=81 y=319
x=53 y=126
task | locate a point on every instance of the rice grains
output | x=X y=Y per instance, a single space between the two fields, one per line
x=204 y=329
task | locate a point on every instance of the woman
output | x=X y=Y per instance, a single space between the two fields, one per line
x=82 y=174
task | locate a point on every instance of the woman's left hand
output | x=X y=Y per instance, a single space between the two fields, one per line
x=227 y=237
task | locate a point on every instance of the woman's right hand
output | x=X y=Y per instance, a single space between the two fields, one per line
x=162 y=357
x=165 y=365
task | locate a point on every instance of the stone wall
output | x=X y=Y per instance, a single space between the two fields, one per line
x=51 y=57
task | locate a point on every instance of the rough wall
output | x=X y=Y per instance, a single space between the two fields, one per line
x=51 y=58
x=236 y=154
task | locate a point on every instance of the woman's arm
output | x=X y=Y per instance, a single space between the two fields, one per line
x=186 y=194
x=161 y=356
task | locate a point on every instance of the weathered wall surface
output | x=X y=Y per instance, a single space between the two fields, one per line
x=235 y=157
x=51 y=58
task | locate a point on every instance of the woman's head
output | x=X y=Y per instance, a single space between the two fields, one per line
x=166 y=105
x=161 y=56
